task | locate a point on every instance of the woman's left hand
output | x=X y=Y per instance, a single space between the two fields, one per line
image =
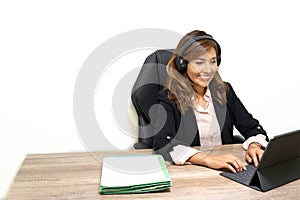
x=254 y=153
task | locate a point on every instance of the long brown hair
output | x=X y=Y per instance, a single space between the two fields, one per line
x=180 y=88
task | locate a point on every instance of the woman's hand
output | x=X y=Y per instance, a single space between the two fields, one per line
x=227 y=161
x=254 y=153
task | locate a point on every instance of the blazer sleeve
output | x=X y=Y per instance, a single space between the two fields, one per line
x=167 y=121
x=244 y=122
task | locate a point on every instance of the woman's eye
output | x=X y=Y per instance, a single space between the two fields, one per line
x=199 y=63
x=213 y=61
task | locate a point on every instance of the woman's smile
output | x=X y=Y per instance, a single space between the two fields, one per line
x=204 y=77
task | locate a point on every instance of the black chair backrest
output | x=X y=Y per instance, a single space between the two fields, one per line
x=150 y=81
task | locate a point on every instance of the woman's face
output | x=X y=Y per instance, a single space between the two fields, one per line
x=202 y=69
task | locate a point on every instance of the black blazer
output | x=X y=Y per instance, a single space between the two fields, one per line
x=173 y=128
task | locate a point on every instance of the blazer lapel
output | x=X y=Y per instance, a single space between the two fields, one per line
x=220 y=111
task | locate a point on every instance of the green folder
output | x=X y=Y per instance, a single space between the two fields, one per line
x=138 y=173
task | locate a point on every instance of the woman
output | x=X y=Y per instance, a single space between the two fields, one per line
x=201 y=109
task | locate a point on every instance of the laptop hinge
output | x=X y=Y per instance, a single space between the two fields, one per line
x=255 y=182
x=279 y=174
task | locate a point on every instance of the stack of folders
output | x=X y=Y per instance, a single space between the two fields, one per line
x=137 y=173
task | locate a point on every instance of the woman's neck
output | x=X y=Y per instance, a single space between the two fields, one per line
x=200 y=90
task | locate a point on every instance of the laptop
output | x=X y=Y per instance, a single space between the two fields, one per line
x=279 y=164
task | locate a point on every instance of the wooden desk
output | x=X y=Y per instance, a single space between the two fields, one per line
x=77 y=176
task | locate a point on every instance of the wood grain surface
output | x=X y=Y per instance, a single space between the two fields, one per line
x=77 y=176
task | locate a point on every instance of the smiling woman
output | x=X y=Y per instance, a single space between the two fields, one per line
x=202 y=109
x=196 y=58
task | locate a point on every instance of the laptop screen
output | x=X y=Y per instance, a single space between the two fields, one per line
x=280 y=149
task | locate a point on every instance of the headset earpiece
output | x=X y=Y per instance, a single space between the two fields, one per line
x=181 y=64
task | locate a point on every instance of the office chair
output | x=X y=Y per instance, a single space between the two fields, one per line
x=150 y=81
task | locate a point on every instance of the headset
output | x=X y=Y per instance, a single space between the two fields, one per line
x=181 y=63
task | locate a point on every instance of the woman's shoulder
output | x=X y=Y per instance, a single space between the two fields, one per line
x=229 y=91
x=170 y=106
x=228 y=85
x=163 y=95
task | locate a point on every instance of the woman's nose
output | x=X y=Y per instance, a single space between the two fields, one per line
x=207 y=67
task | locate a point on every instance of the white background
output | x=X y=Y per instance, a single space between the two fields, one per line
x=43 y=45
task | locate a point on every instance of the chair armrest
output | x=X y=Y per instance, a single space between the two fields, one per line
x=141 y=145
x=238 y=139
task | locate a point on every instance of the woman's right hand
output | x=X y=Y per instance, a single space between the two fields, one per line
x=227 y=161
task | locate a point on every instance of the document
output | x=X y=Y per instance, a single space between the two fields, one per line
x=137 y=173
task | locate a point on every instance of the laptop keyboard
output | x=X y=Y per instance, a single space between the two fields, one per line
x=243 y=177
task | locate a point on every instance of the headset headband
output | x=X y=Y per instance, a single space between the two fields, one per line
x=195 y=39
